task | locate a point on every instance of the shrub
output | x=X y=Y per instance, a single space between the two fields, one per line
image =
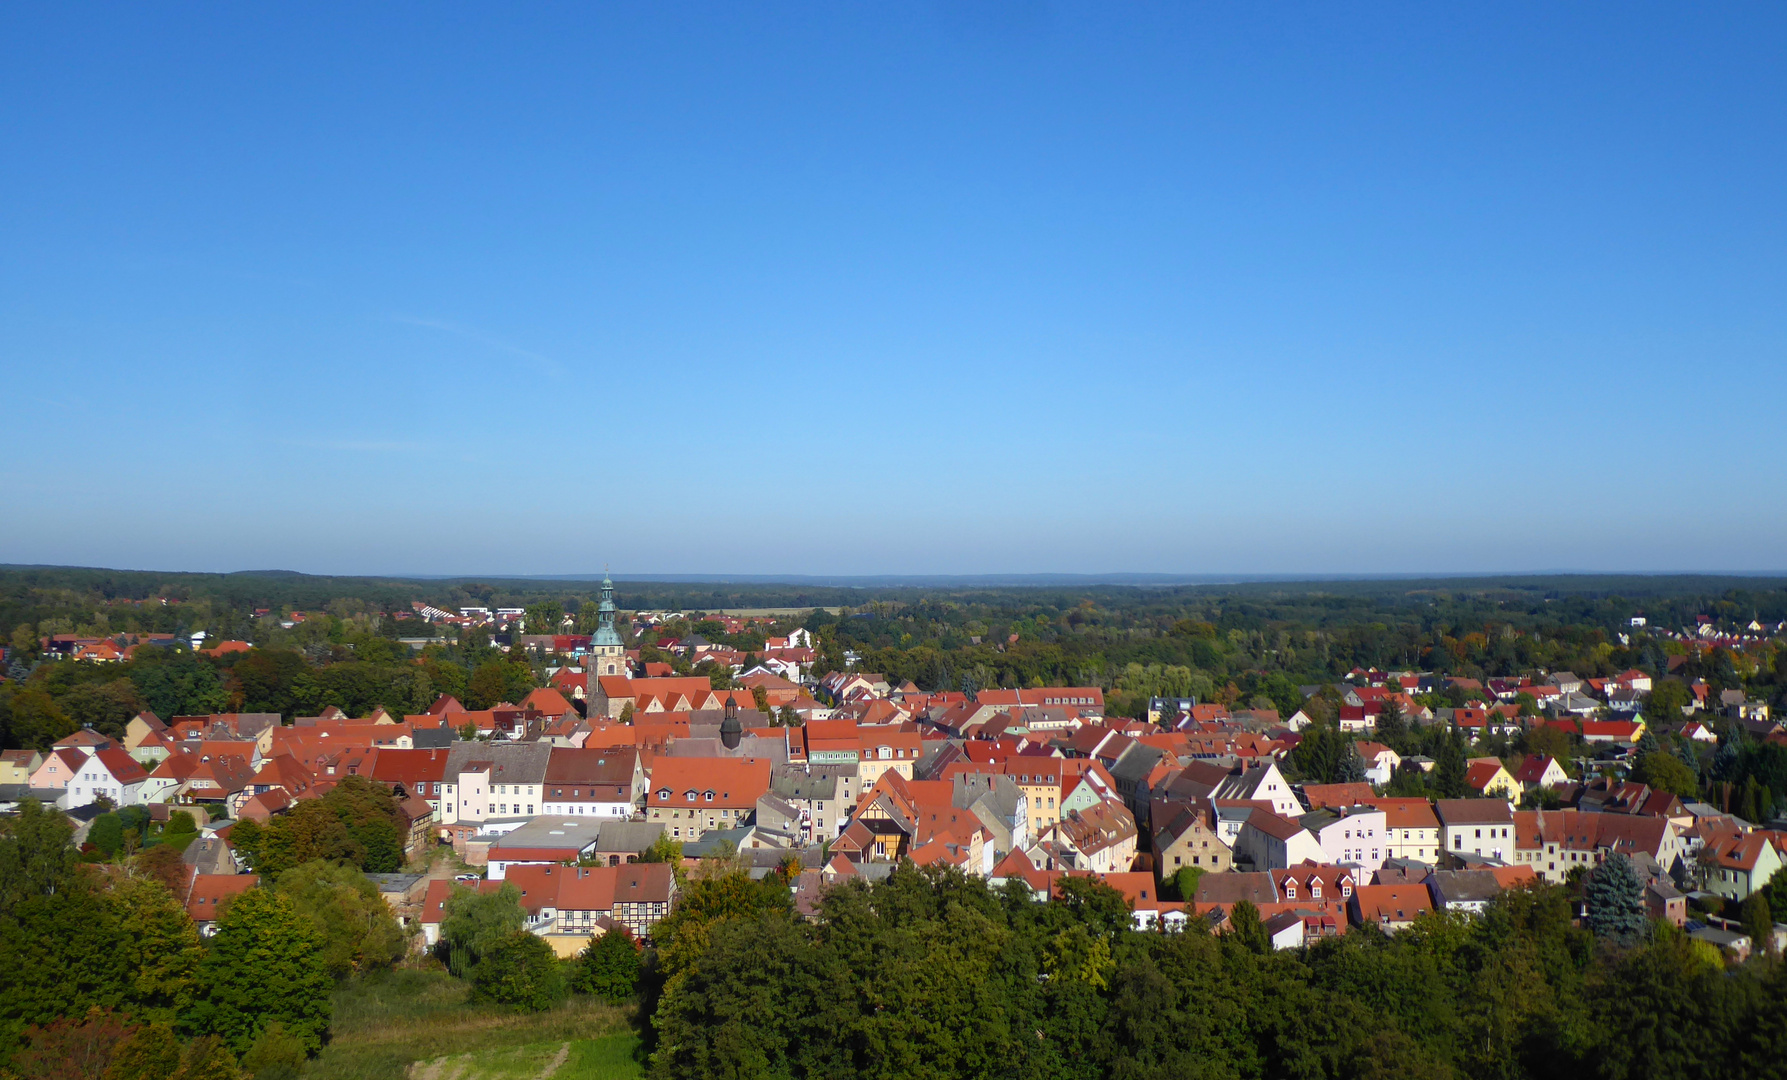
x=520 y=970
x=609 y=967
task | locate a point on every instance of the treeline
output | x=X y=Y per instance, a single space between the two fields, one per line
x=107 y=957
x=934 y=974
x=356 y=673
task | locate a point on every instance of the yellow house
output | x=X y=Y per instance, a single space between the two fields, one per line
x=1488 y=776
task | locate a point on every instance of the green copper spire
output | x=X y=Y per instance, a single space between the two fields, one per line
x=605 y=632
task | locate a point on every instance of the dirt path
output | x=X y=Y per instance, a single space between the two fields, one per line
x=558 y=1060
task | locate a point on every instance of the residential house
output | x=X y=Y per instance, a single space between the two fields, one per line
x=1489 y=778
x=1412 y=828
x=1540 y=771
x=1268 y=841
x=1389 y=907
x=57 y=769
x=208 y=895
x=1482 y=828
x=107 y=774
x=1740 y=863
x=1004 y=810
x=569 y=905
x=491 y=781
x=1470 y=891
x=1381 y=762
x=17 y=766
x=1185 y=835
x=1334 y=796
x=600 y=782
x=1101 y=838
x=1356 y=836
x=1553 y=842
x=693 y=795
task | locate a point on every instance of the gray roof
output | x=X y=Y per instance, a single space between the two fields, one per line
x=1455 y=812
x=556 y=832
x=1136 y=761
x=438 y=738
x=1463 y=886
x=709 y=844
x=618 y=836
x=394 y=882
x=510 y=763
x=1236 y=886
x=995 y=793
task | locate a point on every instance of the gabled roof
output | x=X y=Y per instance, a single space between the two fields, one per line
x=736 y=783
x=206 y=891
x=1456 y=812
x=1533 y=769
x=1389 y=905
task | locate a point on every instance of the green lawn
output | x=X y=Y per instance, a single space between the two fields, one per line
x=385 y=1024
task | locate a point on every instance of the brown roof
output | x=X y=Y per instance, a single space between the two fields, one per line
x=1474 y=812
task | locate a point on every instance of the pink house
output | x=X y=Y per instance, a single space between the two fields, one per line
x=60 y=767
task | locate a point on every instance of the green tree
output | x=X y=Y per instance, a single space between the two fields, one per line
x=663 y=850
x=275 y=1055
x=609 y=967
x=159 y=948
x=36 y=720
x=1351 y=767
x=1614 y=899
x=1248 y=930
x=61 y=945
x=1451 y=770
x=1392 y=727
x=107 y=834
x=208 y=1058
x=265 y=965
x=152 y=1052
x=1666 y=772
x=1666 y=701
x=357 y=929
x=1185 y=882
x=1759 y=922
x=520 y=969
x=475 y=922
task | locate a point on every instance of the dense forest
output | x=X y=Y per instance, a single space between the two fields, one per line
x=1251 y=643
x=935 y=974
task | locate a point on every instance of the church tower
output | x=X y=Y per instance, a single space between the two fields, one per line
x=607 y=656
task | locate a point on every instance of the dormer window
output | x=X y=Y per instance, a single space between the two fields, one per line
x=1290 y=890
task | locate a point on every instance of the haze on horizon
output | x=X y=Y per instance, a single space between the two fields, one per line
x=936 y=289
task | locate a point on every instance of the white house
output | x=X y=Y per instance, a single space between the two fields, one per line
x=1381 y=762
x=1353 y=836
x=111 y=774
x=1268 y=841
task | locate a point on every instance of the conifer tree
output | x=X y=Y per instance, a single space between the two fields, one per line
x=1615 y=901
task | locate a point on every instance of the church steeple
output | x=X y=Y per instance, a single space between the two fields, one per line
x=607 y=654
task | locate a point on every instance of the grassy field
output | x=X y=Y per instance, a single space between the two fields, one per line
x=418 y=1024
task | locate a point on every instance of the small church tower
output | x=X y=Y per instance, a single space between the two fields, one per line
x=607 y=656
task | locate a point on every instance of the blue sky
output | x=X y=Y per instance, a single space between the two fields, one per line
x=954 y=288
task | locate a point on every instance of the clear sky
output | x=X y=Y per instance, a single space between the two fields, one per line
x=894 y=288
